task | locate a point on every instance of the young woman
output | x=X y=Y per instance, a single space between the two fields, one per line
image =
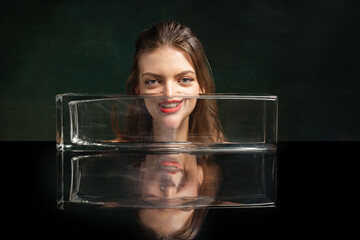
x=170 y=69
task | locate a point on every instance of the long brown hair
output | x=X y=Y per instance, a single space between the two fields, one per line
x=204 y=125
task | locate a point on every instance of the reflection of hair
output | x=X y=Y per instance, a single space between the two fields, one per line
x=204 y=125
x=208 y=188
x=190 y=232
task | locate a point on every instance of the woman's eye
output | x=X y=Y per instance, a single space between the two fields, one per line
x=186 y=80
x=151 y=82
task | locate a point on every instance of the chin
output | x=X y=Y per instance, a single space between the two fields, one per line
x=170 y=122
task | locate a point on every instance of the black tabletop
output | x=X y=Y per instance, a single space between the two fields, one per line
x=315 y=191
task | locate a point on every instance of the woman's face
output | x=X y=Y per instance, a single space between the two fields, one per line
x=168 y=72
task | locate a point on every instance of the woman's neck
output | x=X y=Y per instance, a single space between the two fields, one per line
x=162 y=134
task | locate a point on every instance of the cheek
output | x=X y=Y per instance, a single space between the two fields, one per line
x=141 y=90
x=199 y=90
x=191 y=103
x=193 y=90
x=151 y=106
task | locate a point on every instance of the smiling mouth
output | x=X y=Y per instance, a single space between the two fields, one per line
x=170 y=167
x=170 y=106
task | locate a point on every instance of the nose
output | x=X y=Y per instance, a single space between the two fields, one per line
x=170 y=191
x=169 y=89
x=168 y=186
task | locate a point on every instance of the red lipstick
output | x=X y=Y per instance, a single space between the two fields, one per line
x=170 y=167
x=168 y=163
x=170 y=106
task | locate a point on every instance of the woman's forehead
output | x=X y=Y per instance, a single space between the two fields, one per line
x=165 y=59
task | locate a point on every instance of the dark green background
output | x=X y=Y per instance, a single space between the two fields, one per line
x=306 y=52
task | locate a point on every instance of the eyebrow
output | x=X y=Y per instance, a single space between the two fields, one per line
x=150 y=74
x=184 y=73
x=176 y=75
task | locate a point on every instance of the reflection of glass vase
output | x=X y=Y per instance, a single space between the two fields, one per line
x=99 y=166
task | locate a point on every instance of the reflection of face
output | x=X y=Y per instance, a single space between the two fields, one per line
x=170 y=177
x=167 y=179
x=168 y=72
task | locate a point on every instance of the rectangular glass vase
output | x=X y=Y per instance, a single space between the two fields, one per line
x=89 y=122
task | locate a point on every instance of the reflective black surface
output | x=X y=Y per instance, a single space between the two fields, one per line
x=316 y=191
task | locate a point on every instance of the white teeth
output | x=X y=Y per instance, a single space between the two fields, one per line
x=170 y=168
x=170 y=105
